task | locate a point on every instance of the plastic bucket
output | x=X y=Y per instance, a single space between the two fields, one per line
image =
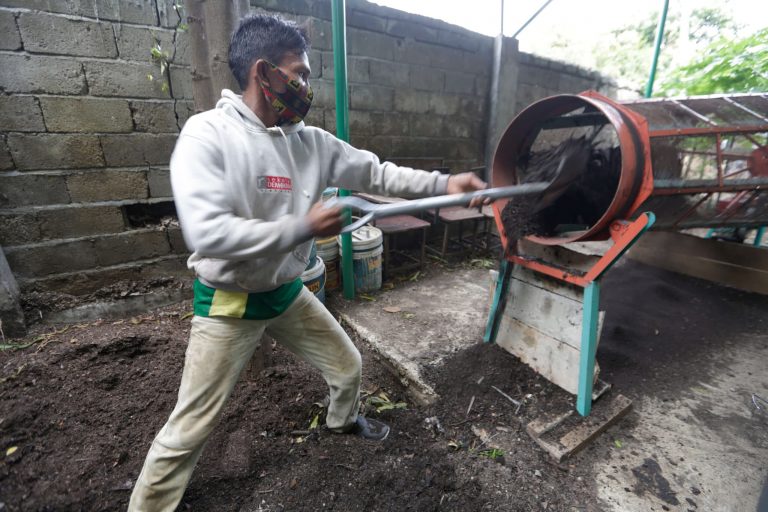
x=328 y=251
x=366 y=258
x=314 y=279
x=312 y=256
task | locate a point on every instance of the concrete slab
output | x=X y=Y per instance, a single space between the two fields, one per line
x=688 y=353
x=417 y=324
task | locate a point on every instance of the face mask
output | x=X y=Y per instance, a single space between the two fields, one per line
x=293 y=104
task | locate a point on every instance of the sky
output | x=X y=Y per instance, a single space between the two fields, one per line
x=582 y=23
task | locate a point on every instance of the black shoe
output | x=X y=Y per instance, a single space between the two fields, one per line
x=371 y=429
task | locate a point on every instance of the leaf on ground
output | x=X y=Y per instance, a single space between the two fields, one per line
x=11 y=450
x=366 y=297
x=187 y=315
x=315 y=421
x=409 y=315
x=392 y=309
x=415 y=276
x=617 y=443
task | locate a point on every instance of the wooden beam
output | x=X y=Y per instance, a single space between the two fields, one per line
x=739 y=266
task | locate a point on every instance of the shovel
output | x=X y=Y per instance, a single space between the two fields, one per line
x=570 y=167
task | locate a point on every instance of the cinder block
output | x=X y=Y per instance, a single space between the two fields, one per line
x=51 y=258
x=320 y=34
x=73 y=222
x=169 y=17
x=184 y=110
x=315 y=117
x=6 y=162
x=458 y=82
x=136 y=43
x=141 y=12
x=160 y=183
x=41 y=74
x=315 y=63
x=427 y=79
x=19 y=229
x=380 y=146
x=176 y=239
x=444 y=104
x=477 y=62
x=371 y=97
x=424 y=54
x=358 y=68
x=55 y=151
x=154 y=116
x=324 y=94
x=32 y=190
x=123 y=79
x=74 y=7
x=131 y=246
x=411 y=101
x=48 y=33
x=138 y=149
x=9 y=32
x=472 y=106
x=360 y=122
x=465 y=41
x=108 y=185
x=366 y=21
x=388 y=123
x=422 y=147
x=370 y=44
x=461 y=128
x=482 y=85
x=417 y=31
x=181 y=80
x=389 y=73
x=20 y=114
x=86 y=115
x=428 y=126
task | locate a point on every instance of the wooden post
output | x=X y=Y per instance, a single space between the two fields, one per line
x=211 y=25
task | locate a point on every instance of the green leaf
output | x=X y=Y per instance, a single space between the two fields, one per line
x=315 y=422
x=617 y=443
x=493 y=453
x=183 y=27
x=11 y=450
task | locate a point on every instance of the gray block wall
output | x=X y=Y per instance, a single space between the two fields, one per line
x=84 y=134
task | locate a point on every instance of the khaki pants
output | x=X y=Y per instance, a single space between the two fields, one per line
x=219 y=348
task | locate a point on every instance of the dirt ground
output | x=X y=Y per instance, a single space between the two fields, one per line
x=80 y=405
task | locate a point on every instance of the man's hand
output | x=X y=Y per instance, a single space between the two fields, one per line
x=325 y=221
x=467 y=182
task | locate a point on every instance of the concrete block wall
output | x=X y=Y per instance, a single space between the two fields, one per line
x=539 y=77
x=85 y=136
x=418 y=86
x=84 y=133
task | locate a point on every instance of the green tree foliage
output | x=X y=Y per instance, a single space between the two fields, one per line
x=725 y=66
x=629 y=53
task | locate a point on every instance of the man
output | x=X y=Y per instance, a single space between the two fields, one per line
x=247 y=177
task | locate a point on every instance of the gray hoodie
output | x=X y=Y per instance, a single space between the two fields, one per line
x=242 y=192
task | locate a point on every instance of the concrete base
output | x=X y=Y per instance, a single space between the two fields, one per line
x=416 y=325
x=700 y=445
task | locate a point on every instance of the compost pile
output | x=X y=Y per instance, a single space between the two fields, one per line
x=580 y=206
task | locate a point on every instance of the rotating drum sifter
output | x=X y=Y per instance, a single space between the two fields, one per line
x=670 y=164
x=694 y=162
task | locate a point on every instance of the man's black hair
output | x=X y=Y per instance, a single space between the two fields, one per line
x=262 y=36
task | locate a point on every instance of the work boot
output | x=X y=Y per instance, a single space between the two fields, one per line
x=371 y=429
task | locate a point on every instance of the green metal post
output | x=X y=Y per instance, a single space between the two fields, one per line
x=339 y=25
x=588 y=348
x=759 y=236
x=657 y=49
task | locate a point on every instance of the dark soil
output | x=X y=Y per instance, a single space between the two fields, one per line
x=583 y=202
x=83 y=403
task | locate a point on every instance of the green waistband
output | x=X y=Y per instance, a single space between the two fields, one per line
x=248 y=306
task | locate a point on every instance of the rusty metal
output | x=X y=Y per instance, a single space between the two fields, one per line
x=660 y=140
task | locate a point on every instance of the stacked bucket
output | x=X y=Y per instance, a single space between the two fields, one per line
x=324 y=269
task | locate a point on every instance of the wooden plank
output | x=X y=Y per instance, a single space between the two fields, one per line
x=552 y=314
x=740 y=266
x=565 y=438
x=543 y=328
x=557 y=361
